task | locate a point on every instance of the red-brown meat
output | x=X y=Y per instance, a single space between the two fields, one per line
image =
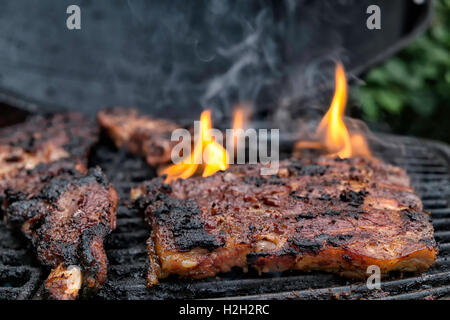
x=65 y=138
x=140 y=134
x=67 y=221
x=326 y=214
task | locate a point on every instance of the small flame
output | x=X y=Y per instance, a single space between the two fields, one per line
x=332 y=130
x=206 y=150
x=238 y=118
x=241 y=114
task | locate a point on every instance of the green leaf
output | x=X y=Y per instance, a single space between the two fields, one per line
x=427 y=70
x=423 y=103
x=368 y=104
x=377 y=76
x=397 y=70
x=390 y=101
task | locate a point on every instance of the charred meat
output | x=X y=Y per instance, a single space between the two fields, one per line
x=139 y=134
x=335 y=215
x=26 y=183
x=67 y=221
x=43 y=140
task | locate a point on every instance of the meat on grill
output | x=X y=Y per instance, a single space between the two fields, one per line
x=26 y=183
x=43 y=140
x=139 y=134
x=67 y=221
x=335 y=215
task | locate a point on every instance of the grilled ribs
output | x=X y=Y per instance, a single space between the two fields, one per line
x=43 y=140
x=139 y=134
x=334 y=215
x=67 y=220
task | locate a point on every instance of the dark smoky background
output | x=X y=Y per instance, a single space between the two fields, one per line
x=175 y=58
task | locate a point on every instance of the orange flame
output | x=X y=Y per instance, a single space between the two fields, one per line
x=240 y=117
x=207 y=154
x=332 y=130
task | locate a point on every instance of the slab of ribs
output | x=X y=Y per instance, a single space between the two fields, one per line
x=65 y=210
x=329 y=214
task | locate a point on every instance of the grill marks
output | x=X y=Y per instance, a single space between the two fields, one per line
x=329 y=214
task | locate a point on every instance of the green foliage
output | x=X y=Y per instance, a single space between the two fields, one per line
x=415 y=82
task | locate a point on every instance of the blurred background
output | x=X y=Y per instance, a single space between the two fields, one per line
x=409 y=93
x=174 y=59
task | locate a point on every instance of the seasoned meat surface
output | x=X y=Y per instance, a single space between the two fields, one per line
x=67 y=220
x=26 y=183
x=43 y=140
x=335 y=215
x=140 y=134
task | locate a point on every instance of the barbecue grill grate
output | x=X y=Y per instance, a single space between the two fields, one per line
x=427 y=163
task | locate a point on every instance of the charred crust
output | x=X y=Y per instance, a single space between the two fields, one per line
x=412 y=215
x=253 y=257
x=353 y=198
x=304 y=245
x=294 y=195
x=347 y=258
x=259 y=181
x=314 y=245
x=97 y=174
x=337 y=241
x=309 y=169
x=141 y=203
x=330 y=213
x=47 y=171
x=12 y=196
x=429 y=242
x=53 y=190
x=353 y=214
x=183 y=218
x=325 y=197
x=304 y=215
x=20 y=211
x=156 y=186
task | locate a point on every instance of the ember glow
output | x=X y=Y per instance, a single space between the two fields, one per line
x=332 y=132
x=207 y=157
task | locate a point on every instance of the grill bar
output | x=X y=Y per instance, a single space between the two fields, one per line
x=361 y=291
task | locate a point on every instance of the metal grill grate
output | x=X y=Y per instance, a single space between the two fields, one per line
x=19 y=278
x=428 y=165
